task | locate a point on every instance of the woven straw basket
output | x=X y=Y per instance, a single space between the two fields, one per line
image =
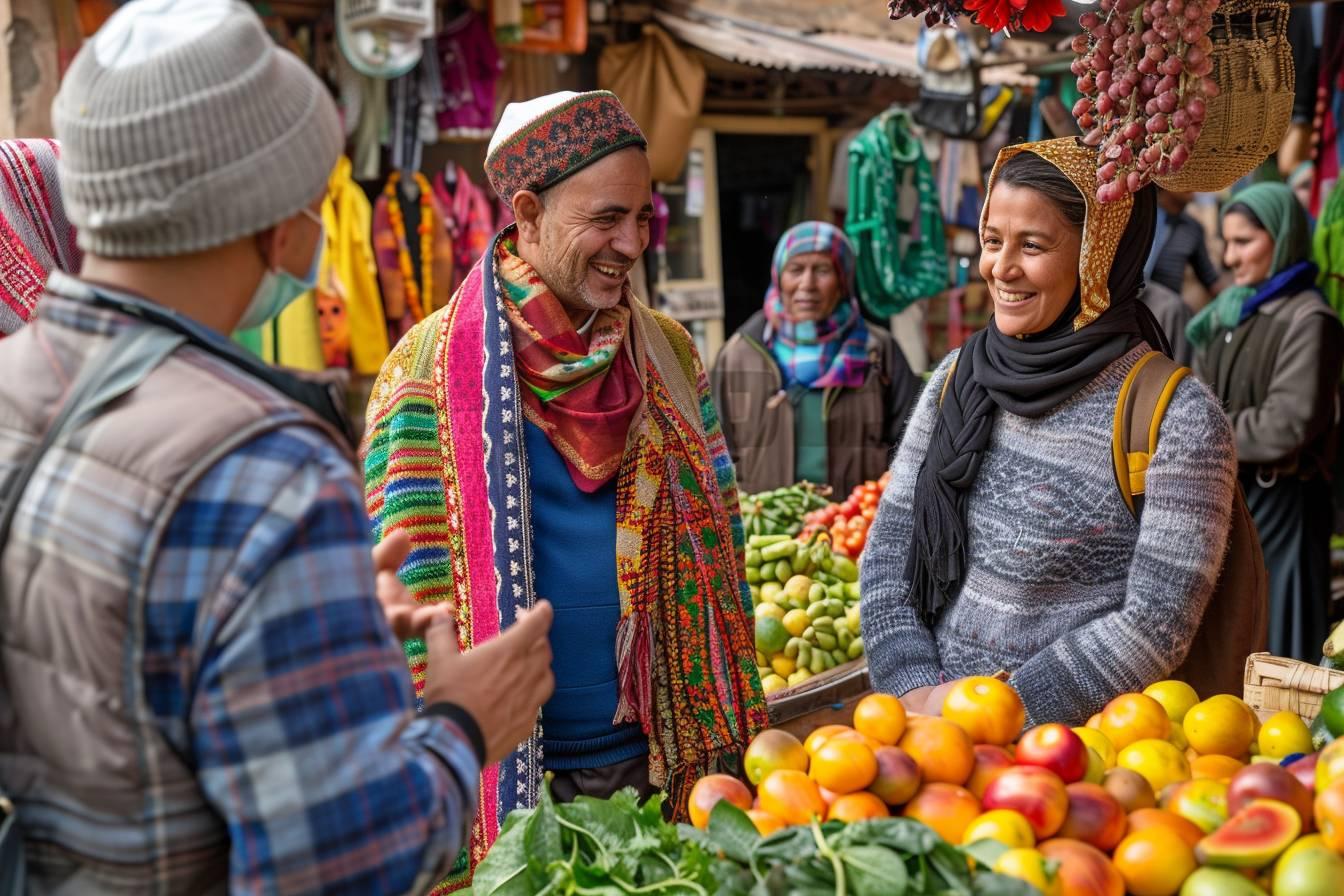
x=1274 y=683
x=1253 y=67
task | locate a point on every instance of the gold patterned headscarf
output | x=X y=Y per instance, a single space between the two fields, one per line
x=1104 y=226
x=1030 y=376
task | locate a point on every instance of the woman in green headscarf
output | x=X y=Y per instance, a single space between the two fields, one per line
x=1272 y=350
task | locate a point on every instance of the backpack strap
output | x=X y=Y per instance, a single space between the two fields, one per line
x=951 y=372
x=1143 y=400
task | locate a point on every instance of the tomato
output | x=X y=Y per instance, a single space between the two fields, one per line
x=870 y=513
x=854 y=544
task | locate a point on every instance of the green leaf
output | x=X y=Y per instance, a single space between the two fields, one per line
x=731 y=831
x=874 y=871
x=606 y=821
x=985 y=852
x=504 y=871
x=987 y=884
x=949 y=862
x=904 y=835
x=541 y=835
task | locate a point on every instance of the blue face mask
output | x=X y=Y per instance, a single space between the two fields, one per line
x=278 y=289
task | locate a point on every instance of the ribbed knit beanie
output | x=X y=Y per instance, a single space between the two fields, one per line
x=184 y=127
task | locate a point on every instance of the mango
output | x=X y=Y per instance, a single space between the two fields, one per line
x=1313 y=870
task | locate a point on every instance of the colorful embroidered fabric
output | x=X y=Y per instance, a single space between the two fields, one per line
x=444 y=460
x=35 y=236
x=818 y=354
x=387 y=255
x=561 y=141
x=582 y=393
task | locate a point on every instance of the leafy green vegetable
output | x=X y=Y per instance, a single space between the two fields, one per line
x=618 y=847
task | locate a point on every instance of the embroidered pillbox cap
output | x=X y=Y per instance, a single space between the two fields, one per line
x=543 y=141
x=184 y=127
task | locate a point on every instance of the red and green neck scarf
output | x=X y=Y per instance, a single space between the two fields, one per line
x=583 y=393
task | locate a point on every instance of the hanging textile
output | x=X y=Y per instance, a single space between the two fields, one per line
x=1328 y=248
x=413 y=252
x=291 y=340
x=894 y=217
x=469 y=69
x=470 y=218
x=663 y=87
x=349 y=273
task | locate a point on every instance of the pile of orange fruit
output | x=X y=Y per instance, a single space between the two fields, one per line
x=1160 y=794
x=848 y=521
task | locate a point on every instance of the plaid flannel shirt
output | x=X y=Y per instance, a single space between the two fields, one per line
x=269 y=663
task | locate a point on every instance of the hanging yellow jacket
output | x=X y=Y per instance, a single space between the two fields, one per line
x=348 y=269
x=291 y=340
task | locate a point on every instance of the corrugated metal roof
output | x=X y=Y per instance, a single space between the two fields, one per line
x=769 y=46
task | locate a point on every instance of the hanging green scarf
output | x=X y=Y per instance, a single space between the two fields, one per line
x=894 y=219
x=1329 y=248
x=1282 y=215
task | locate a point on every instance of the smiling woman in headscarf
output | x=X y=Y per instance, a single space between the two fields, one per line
x=807 y=389
x=35 y=236
x=1272 y=350
x=1002 y=542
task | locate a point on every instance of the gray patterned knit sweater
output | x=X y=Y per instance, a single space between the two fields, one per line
x=1064 y=589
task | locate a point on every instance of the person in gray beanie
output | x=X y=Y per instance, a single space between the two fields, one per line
x=201 y=685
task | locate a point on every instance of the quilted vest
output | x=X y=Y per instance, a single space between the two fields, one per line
x=95 y=783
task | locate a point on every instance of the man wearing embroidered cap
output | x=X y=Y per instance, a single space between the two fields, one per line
x=199 y=689
x=545 y=435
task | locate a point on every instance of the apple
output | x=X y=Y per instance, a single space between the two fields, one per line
x=1304 y=770
x=1083 y=869
x=1038 y=793
x=898 y=776
x=990 y=762
x=1095 y=817
x=1054 y=747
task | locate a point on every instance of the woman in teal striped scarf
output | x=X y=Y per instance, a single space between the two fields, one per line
x=807 y=389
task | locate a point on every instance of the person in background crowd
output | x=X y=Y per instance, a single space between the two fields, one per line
x=546 y=434
x=35 y=236
x=1179 y=244
x=1172 y=315
x=1300 y=182
x=1002 y=541
x=807 y=389
x=1272 y=350
x=199 y=688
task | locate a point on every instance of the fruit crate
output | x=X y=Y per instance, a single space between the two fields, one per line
x=821 y=700
x=1275 y=683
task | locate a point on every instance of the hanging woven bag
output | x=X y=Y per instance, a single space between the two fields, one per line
x=1245 y=123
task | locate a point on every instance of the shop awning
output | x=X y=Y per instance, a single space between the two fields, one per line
x=760 y=44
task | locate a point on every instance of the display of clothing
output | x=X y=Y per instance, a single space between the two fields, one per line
x=470 y=218
x=469 y=66
x=894 y=218
x=349 y=272
x=401 y=249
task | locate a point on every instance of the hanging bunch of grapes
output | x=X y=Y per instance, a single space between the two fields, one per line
x=1143 y=71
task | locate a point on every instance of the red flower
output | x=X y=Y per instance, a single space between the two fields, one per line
x=992 y=14
x=998 y=15
x=1038 y=14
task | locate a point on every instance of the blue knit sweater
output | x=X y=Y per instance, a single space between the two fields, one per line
x=574 y=566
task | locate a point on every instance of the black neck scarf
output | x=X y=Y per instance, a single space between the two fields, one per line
x=1029 y=377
